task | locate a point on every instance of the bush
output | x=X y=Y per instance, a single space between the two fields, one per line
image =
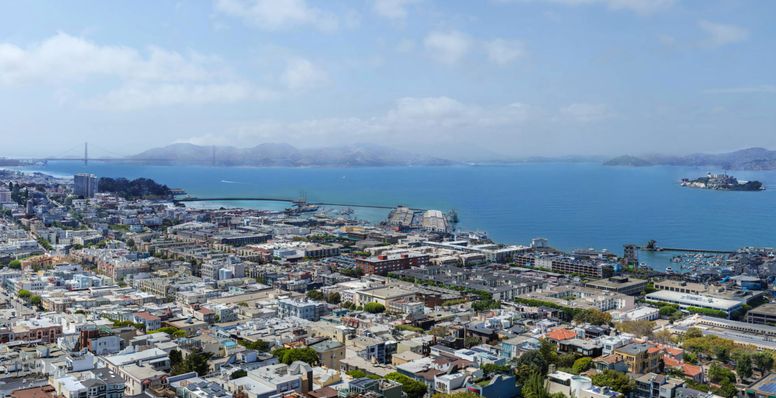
x=582 y=364
x=374 y=308
x=409 y=328
x=411 y=387
x=237 y=374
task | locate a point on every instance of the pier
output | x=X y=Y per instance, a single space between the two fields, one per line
x=686 y=250
x=297 y=202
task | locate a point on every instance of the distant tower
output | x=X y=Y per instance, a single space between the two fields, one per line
x=86 y=153
x=631 y=254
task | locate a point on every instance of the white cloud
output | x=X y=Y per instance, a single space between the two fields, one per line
x=504 y=52
x=135 y=79
x=586 y=112
x=763 y=88
x=273 y=15
x=141 y=96
x=302 y=74
x=392 y=9
x=447 y=47
x=430 y=121
x=720 y=34
x=63 y=57
x=638 y=6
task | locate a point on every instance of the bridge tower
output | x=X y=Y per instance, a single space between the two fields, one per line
x=86 y=153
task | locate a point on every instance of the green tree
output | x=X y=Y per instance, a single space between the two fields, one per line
x=566 y=360
x=196 y=361
x=593 y=316
x=639 y=328
x=692 y=333
x=315 y=295
x=490 y=368
x=237 y=374
x=718 y=373
x=463 y=394
x=356 y=373
x=743 y=365
x=333 y=298
x=727 y=389
x=582 y=364
x=15 y=264
x=529 y=363
x=258 y=345
x=291 y=355
x=763 y=361
x=35 y=299
x=485 y=305
x=617 y=381
x=374 y=308
x=411 y=387
x=24 y=294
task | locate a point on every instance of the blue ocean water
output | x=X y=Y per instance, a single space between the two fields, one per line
x=574 y=205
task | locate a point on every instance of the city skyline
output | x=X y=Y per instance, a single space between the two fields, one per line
x=497 y=79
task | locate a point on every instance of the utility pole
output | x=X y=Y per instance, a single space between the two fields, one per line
x=86 y=153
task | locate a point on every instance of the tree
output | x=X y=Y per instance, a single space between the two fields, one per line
x=485 y=305
x=582 y=364
x=617 y=381
x=411 y=387
x=175 y=358
x=490 y=368
x=663 y=336
x=743 y=365
x=258 y=345
x=315 y=295
x=291 y=355
x=763 y=361
x=35 y=299
x=529 y=363
x=639 y=328
x=237 y=374
x=24 y=293
x=593 y=316
x=356 y=373
x=15 y=264
x=718 y=373
x=727 y=389
x=567 y=360
x=692 y=333
x=196 y=361
x=374 y=308
x=534 y=387
x=333 y=298
x=463 y=394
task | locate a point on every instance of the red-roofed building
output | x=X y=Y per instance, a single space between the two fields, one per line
x=151 y=322
x=560 y=334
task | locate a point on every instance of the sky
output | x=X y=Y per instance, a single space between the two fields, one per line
x=469 y=79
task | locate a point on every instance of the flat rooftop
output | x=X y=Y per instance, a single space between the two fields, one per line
x=693 y=300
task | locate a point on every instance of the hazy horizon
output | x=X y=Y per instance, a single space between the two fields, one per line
x=502 y=79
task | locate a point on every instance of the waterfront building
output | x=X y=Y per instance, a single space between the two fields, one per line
x=384 y=264
x=620 y=284
x=685 y=300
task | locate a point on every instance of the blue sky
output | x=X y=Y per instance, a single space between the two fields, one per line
x=477 y=79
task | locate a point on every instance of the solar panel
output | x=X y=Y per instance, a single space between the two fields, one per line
x=770 y=387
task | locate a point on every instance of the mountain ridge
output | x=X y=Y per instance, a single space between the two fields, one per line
x=286 y=155
x=754 y=158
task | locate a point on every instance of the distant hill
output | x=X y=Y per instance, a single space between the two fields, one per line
x=745 y=159
x=627 y=160
x=285 y=155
